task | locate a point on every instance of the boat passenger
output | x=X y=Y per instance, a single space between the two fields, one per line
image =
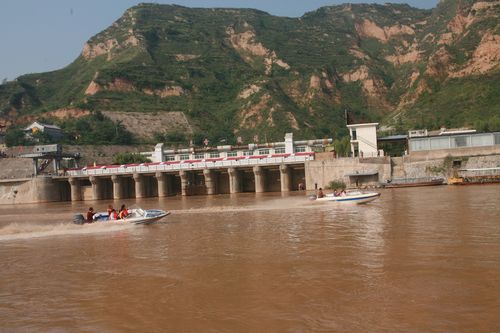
x=320 y=193
x=335 y=193
x=90 y=215
x=343 y=193
x=123 y=212
x=112 y=215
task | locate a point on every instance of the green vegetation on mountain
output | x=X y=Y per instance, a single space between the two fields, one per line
x=240 y=72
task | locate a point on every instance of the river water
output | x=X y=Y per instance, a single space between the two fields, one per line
x=415 y=260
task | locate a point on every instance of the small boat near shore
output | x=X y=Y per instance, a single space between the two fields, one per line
x=136 y=216
x=475 y=176
x=413 y=182
x=357 y=197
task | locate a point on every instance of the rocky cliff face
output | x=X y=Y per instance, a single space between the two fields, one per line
x=241 y=72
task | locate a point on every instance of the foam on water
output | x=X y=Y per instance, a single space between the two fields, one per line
x=21 y=231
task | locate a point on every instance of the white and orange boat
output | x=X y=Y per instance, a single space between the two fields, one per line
x=136 y=216
x=357 y=197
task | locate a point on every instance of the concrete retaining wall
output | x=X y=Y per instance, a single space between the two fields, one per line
x=326 y=169
x=32 y=190
x=323 y=171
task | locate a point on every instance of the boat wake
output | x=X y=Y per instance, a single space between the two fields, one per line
x=297 y=203
x=22 y=231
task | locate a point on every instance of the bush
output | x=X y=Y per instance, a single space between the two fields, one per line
x=129 y=158
x=96 y=129
x=15 y=137
x=343 y=146
x=336 y=184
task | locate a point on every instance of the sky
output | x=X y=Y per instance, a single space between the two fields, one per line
x=39 y=36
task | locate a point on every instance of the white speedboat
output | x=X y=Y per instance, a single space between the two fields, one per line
x=135 y=216
x=352 y=197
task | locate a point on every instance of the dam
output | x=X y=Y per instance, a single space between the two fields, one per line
x=223 y=175
x=257 y=168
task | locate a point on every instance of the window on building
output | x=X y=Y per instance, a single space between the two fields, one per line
x=263 y=151
x=199 y=156
x=460 y=141
x=232 y=153
x=440 y=143
x=482 y=140
x=497 y=139
x=300 y=149
x=279 y=151
x=214 y=155
x=170 y=158
x=184 y=157
x=354 y=134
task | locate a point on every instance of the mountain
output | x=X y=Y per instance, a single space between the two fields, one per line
x=224 y=73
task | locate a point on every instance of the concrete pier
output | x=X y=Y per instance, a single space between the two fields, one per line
x=117 y=187
x=259 y=179
x=161 y=179
x=184 y=182
x=97 y=188
x=76 y=189
x=209 y=181
x=285 y=178
x=139 y=185
x=234 y=180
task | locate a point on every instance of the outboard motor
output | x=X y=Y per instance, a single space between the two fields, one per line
x=78 y=219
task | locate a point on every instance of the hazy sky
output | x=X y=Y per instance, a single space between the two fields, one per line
x=39 y=36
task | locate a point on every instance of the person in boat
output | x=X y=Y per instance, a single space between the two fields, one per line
x=123 y=212
x=112 y=215
x=343 y=193
x=320 y=193
x=335 y=193
x=90 y=215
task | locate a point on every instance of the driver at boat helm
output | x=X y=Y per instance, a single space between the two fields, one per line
x=111 y=213
x=90 y=214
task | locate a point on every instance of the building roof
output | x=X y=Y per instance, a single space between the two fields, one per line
x=42 y=125
x=399 y=137
x=363 y=125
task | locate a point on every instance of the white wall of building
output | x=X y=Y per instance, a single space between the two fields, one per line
x=364 y=139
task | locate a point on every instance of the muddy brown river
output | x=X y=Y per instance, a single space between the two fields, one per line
x=415 y=260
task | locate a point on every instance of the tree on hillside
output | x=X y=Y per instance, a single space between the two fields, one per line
x=15 y=137
x=128 y=158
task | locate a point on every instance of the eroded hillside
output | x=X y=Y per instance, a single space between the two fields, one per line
x=231 y=73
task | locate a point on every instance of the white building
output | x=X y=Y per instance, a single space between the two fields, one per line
x=364 y=140
x=286 y=147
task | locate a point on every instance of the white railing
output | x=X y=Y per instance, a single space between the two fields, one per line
x=190 y=165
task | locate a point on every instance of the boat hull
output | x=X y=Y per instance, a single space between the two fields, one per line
x=136 y=216
x=351 y=198
x=414 y=184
